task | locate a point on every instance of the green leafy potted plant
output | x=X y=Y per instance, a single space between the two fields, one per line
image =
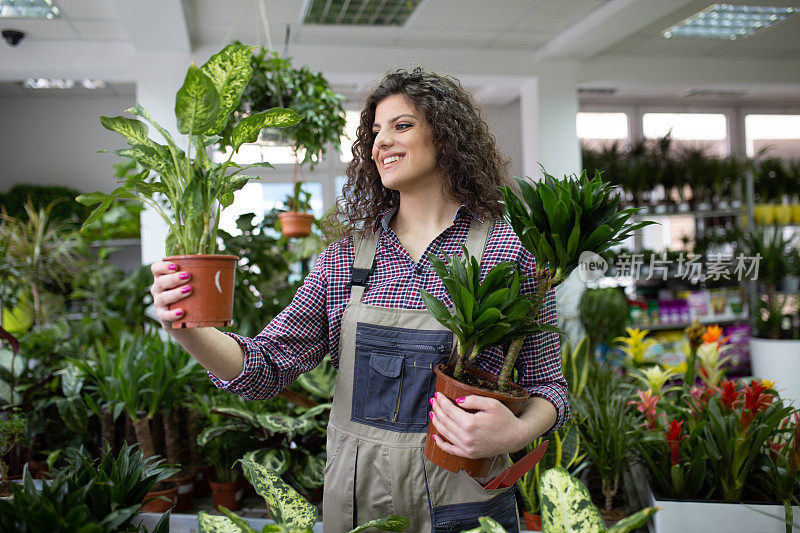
x=603 y=313
x=291 y=512
x=560 y=222
x=296 y=221
x=195 y=189
x=12 y=425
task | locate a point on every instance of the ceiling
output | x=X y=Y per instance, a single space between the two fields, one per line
x=491 y=45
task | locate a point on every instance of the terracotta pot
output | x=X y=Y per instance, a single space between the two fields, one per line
x=228 y=495
x=185 y=496
x=202 y=475
x=453 y=389
x=164 y=499
x=211 y=302
x=533 y=522
x=296 y=224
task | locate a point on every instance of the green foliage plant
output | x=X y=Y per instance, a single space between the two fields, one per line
x=603 y=313
x=564 y=448
x=607 y=427
x=44 y=254
x=290 y=511
x=567 y=506
x=12 y=425
x=195 y=189
x=276 y=83
x=85 y=496
x=487 y=313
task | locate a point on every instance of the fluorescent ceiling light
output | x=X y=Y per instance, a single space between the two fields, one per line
x=727 y=21
x=360 y=12
x=46 y=83
x=28 y=9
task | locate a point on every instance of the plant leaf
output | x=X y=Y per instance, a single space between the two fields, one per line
x=134 y=131
x=229 y=70
x=566 y=504
x=196 y=103
x=246 y=131
x=285 y=505
x=387 y=523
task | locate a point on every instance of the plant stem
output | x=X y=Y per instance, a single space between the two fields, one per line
x=106 y=428
x=462 y=356
x=543 y=281
x=171 y=437
x=142 y=428
x=609 y=491
x=788 y=515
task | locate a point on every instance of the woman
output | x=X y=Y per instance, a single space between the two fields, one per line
x=425 y=174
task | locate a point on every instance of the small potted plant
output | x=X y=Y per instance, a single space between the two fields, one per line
x=195 y=188
x=296 y=221
x=560 y=222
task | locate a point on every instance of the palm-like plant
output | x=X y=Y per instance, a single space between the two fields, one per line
x=487 y=313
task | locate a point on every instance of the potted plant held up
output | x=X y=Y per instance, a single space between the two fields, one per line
x=556 y=221
x=195 y=188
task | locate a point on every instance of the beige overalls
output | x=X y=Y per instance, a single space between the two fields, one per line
x=376 y=433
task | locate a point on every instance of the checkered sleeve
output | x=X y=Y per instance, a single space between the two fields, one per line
x=294 y=342
x=539 y=361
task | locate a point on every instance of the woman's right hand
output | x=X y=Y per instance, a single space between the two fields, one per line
x=169 y=286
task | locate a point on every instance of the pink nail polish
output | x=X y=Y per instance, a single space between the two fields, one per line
x=173 y=267
x=434 y=438
x=184 y=275
x=179 y=312
x=186 y=289
x=436 y=395
x=460 y=400
x=430 y=414
x=431 y=400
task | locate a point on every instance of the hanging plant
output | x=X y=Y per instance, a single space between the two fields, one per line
x=275 y=82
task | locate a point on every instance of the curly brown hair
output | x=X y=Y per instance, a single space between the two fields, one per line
x=471 y=164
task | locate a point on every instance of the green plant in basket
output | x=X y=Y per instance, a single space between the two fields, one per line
x=195 y=188
x=291 y=512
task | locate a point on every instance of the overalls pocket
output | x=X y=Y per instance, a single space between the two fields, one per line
x=393 y=376
x=383 y=393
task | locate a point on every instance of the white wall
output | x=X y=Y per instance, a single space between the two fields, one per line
x=506 y=126
x=53 y=141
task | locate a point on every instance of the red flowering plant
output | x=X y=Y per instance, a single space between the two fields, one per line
x=713 y=439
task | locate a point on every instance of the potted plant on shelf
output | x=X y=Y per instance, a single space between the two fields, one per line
x=296 y=221
x=195 y=189
x=556 y=221
x=772 y=356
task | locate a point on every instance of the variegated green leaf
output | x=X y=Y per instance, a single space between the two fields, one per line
x=215 y=524
x=229 y=70
x=73 y=413
x=307 y=470
x=636 y=520
x=196 y=103
x=277 y=423
x=285 y=505
x=246 y=131
x=148 y=156
x=238 y=521
x=566 y=504
x=134 y=131
x=387 y=523
x=277 y=459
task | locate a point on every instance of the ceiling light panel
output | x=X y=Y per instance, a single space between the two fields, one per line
x=728 y=21
x=28 y=9
x=360 y=12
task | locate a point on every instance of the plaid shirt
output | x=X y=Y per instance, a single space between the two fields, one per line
x=298 y=338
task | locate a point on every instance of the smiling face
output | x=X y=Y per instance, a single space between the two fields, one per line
x=403 y=149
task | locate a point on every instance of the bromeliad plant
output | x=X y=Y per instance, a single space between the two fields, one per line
x=195 y=188
x=291 y=512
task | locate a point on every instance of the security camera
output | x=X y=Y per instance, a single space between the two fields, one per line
x=13 y=37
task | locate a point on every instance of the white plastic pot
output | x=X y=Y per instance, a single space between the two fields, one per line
x=778 y=361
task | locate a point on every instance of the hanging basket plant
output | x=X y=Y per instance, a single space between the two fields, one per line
x=276 y=83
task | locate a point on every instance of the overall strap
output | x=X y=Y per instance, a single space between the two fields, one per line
x=364 y=249
x=363 y=264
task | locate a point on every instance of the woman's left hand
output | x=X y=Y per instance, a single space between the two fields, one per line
x=491 y=430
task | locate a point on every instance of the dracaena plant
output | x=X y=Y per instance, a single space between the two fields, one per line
x=187 y=189
x=560 y=222
x=487 y=313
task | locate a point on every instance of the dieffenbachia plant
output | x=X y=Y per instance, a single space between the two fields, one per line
x=487 y=313
x=567 y=506
x=292 y=513
x=195 y=189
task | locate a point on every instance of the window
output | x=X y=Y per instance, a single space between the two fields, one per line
x=598 y=130
x=773 y=136
x=353 y=118
x=690 y=130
